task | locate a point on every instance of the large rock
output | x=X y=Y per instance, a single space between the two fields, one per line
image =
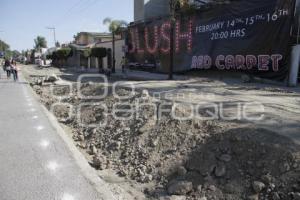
x=180 y=188
x=52 y=78
x=297 y=196
x=181 y=171
x=220 y=171
x=99 y=162
x=258 y=186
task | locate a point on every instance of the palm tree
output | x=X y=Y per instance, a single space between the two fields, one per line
x=40 y=42
x=115 y=27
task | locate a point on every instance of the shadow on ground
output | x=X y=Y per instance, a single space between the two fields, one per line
x=227 y=164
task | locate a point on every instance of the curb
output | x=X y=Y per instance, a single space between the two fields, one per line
x=88 y=172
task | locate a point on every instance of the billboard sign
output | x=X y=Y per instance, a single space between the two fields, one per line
x=251 y=36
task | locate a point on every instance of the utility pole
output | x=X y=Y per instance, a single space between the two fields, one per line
x=172 y=22
x=53 y=29
x=113 y=52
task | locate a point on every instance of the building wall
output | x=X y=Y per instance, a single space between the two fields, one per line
x=148 y=9
x=76 y=60
x=118 y=52
x=86 y=38
x=156 y=8
x=138 y=10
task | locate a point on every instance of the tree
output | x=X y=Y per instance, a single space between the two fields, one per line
x=5 y=49
x=57 y=44
x=3 y=46
x=40 y=42
x=54 y=58
x=86 y=53
x=32 y=55
x=115 y=27
x=15 y=54
x=63 y=54
x=99 y=53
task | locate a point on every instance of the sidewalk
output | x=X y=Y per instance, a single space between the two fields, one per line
x=35 y=161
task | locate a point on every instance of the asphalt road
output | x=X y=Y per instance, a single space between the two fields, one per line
x=35 y=162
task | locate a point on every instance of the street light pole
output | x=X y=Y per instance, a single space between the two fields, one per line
x=172 y=21
x=54 y=35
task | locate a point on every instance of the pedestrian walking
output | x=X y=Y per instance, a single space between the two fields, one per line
x=124 y=63
x=15 y=70
x=7 y=68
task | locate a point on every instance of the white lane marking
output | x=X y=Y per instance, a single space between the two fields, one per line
x=35 y=117
x=52 y=165
x=39 y=128
x=30 y=104
x=68 y=197
x=45 y=144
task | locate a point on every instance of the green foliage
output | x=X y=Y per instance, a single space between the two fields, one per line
x=86 y=53
x=57 y=44
x=184 y=7
x=40 y=42
x=115 y=26
x=63 y=53
x=3 y=46
x=8 y=54
x=16 y=53
x=49 y=57
x=52 y=56
x=99 y=52
x=32 y=55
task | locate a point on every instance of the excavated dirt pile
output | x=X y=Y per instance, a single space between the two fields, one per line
x=187 y=159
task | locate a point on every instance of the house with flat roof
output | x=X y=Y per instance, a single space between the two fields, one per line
x=87 y=38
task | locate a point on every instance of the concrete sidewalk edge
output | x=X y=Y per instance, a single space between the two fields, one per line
x=89 y=173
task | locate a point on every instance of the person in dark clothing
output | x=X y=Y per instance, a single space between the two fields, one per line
x=7 y=67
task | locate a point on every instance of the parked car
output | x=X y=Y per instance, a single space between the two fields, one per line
x=142 y=66
x=134 y=65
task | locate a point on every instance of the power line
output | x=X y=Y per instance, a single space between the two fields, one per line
x=68 y=13
x=91 y=3
x=74 y=6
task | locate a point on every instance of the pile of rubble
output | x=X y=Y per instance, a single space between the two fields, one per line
x=41 y=80
x=189 y=159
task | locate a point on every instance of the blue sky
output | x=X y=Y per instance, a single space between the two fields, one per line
x=23 y=20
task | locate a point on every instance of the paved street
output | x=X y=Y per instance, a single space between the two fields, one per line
x=35 y=163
